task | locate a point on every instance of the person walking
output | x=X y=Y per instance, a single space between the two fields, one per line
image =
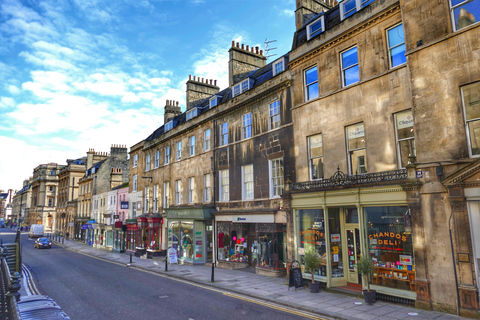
x=67 y=235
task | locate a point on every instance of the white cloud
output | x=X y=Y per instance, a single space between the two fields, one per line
x=6 y=102
x=13 y=89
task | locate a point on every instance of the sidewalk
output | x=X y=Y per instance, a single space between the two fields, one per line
x=268 y=289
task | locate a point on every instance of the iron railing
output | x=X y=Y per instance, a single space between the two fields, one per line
x=9 y=280
x=340 y=179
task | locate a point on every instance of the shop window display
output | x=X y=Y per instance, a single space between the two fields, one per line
x=390 y=245
x=311 y=236
x=181 y=239
x=268 y=246
x=335 y=242
x=232 y=242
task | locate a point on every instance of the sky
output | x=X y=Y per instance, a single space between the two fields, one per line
x=81 y=74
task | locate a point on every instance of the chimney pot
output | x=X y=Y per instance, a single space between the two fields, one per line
x=261 y=52
x=233 y=43
x=189 y=77
x=202 y=80
x=256 y=50
x=194 y=78
x=248 y=48
x=177 y=103
x=243 y=46
x=238 y=45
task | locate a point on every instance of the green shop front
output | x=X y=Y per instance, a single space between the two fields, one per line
x=190 y=234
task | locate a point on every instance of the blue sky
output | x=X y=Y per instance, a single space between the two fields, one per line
x=80 y=74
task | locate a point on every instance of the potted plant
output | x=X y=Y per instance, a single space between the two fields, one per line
x=312 y=261
x=365 y=268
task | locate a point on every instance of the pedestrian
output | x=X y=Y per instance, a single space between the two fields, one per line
x=67 y=235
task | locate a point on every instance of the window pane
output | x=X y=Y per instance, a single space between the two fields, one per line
x=366 y=3
x=352 y=75
x=474 y=130
x=312 y=91
x=316 y=147
x=357 y=160
x=398 y=55
x=407 y=147
x=404 y=125
x=349 y=7
x=317 y=168
x=471 y=100
x=349 y=58
x=311 y=75
x=395 y=36
x=466 y=14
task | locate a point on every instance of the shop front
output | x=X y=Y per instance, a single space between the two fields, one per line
x=142 y=236
x=187 y=233
x=256 y=240
x=154 y=235
x=119 y=236
x=109 y=237
x=343 y=226
x=80 y=229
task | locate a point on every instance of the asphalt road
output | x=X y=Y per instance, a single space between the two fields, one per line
x=87 y=288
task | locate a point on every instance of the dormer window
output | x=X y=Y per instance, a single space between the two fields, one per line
x=169 y=125
x=192 y=113
x=316 y=27
x=213 y=102
x=349 y=7
x=278 y=66
x=242 y=87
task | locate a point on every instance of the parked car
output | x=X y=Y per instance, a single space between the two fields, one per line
x=42 y=243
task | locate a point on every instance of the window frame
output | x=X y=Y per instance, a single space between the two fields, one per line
x=146 y=197
x=178 y=191
x=390 y=48
x=241 y=87
x=191 y=189
x=272 y=184
x=157 y=159
x=135 y=160
x=224 y=134
x=272 y=122
x=350 y=151
x=344 y=85
x=245 y=183
x=359 y=4
x=166 y=194
x=206 y=147
x=212 y=102
x=468 y=121
x=167 y=154
x=311 y=34
x=178 y=154
x=207 y=188
x=191 y=146
x=192 y=113
x=308 y=85
x=147 y=162
x=452 y=13
x=135 y=183
x=399 y=154
x=168 y=126
x=276 y=63
x=246 y=127
x=311 y=158
x=155 y=198
x=224 y=183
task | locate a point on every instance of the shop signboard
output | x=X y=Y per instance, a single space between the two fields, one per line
x=70 y=224
x=295 y=278
x=266 y=218
x=172 y=255
x=198 y=240
x=124 y=205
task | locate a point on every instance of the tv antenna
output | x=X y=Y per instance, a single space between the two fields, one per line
x=268 y=49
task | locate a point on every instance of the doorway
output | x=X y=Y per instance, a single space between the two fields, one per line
x=474 y=216
x=353 y=253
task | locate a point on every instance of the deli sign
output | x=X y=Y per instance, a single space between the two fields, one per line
x=388 y=238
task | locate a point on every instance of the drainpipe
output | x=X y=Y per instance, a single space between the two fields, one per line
x=214 y=173
x=453 y=260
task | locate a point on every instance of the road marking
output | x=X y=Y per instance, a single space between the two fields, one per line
x=30 y=287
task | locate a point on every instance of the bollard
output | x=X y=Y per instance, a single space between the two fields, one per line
x=166 y=264
x=130 y=257
x=213 y=272
x=63 y=240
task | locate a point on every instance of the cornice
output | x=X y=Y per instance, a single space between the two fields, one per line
x=347 y=34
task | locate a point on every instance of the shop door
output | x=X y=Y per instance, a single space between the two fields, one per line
x=353 y=253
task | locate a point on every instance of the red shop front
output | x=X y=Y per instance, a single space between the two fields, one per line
x=154 y=235
x=131 y=234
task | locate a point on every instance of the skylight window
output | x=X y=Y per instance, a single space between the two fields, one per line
x=316 y=27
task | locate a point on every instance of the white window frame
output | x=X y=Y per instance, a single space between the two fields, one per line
x=191 y=189
x=178 y=191
x=192 y=113
x=157 y=159
x=166 y=194
x=350 y=152
x=349 y=67
x=247 y=125
x=459 y=5
x=155 y=198
x=276 y=70
x=224 y=134
x=134 y=185
x=311 y=34
x=207 y=188
x=359 y=4
x=168 y=126
x=224 y=183
x=308 y=85
x=146 y=197
x=399 y=153
x=135 y=161
x=468 y=121
x=167 y=155
x=212 y=102
x=241 y=87
x=206 y=142
x=179 y=150
x=248 y=192
x=274 y=120
x=147 y=162
x=390 y=60
x=312 y=158
x=276 y=182
x=191 y=146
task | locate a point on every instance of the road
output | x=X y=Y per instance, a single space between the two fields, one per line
x=89 y=288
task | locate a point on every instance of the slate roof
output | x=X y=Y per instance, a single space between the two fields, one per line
x=25 y=188
x=96 y=166
x=259 y=76
x=123 y=185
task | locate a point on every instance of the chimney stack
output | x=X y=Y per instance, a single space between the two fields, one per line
x=308 y=9
x=198 y=90
x=243 y=61
x=171 y=110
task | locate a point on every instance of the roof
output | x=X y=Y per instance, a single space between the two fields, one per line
x=96 y=166
x=123 y=185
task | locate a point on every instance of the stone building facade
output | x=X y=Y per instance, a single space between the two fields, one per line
x=22 y=203
x=385 y=147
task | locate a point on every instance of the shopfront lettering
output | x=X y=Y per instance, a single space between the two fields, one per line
x=391 y=235
x=315 y=232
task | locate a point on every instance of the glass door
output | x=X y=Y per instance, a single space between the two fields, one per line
x=353 y=253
